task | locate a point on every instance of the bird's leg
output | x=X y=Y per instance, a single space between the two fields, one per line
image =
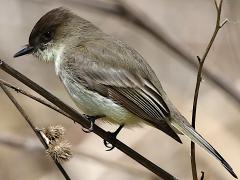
x=92 y=120
x=113 y=136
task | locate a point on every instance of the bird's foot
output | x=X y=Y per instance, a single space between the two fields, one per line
x=92 y=120
x=113 y=136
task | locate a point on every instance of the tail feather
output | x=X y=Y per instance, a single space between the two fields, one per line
x=168 y=130
x=190 y=132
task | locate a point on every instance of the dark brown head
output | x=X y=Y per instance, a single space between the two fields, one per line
x=45 y=29
x=54 y=28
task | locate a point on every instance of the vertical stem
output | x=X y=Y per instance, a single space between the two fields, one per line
x=198 y=83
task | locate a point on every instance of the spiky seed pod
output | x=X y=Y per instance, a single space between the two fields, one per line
x=54 y=132
x=60 y=150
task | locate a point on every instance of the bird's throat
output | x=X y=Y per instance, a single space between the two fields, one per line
x=51 y=54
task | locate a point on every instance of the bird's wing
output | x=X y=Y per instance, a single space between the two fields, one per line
x=133 y=89
x=136 y=94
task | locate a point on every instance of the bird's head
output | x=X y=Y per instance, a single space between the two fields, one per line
x=57 y=28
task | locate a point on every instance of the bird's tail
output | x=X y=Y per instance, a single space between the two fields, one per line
x=183 y=126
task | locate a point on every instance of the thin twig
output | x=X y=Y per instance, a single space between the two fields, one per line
x=23 y=113
x=13 y=141
x=141 y=20
x=77 y=117
x=201 y=61
x=202 y=176
x=19 y=90
x=29 y=144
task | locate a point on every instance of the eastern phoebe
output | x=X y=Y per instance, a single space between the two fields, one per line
x=107 y=78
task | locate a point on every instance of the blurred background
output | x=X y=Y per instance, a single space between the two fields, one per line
x=190 y=24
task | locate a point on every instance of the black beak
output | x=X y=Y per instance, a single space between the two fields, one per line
x=26 y=50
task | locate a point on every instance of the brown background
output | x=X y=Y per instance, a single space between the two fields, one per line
x=190 y=23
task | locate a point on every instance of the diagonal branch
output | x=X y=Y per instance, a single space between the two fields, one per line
x=23 y=113
x=76 y=117
x=201 y=61
x=141 y=20
x=29 y=144
x=19 y=90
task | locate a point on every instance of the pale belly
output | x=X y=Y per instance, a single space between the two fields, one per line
x=92 y=103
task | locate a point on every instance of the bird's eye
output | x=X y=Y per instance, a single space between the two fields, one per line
x=47 y=36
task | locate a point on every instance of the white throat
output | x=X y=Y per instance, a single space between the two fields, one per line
x=51 y=54
x=58 y=58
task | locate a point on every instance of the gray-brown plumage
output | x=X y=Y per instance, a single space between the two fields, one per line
x=106 y=77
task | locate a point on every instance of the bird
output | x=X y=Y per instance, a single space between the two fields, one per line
x=106 y=78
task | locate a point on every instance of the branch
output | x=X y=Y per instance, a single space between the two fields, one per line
x=85 y=123
x=139 y=19
x=29 y=144
x=19 y=90
x=23 y=113
x=17 y=142
x=201 y=61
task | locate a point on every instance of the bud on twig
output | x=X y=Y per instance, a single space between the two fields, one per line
x=54 y=133
x=59 y=150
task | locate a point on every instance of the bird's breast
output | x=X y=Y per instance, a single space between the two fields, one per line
x=92 y=103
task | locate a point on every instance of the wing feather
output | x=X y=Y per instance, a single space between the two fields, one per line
x=127 y=88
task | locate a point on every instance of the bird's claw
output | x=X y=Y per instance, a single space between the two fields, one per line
x=113 y=137
x=88 y=130
x=108 y=145
x=92 y=120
